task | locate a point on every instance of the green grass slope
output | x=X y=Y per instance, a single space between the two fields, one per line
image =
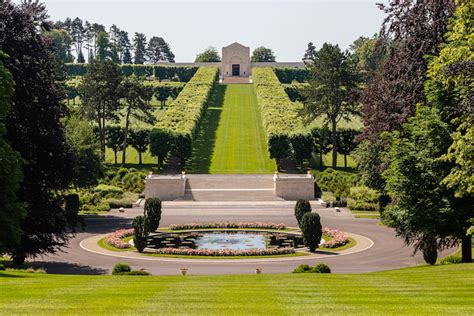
x=414 y=291
x=231 y=139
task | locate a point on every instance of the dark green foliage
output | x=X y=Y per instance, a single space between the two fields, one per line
x=452 y=259
x=160 y=145
x=310 y=52
x=107 y=191
x=133 y=272
x=321 y=268
x=88 y=166
x=61 y=44
x=302 y=146
x=140 y=236
x=430 y=251
x=129 y=179
x=139 y=45
x=321 y=141
x=74 y=70
x=121 y=268
x=162 y=94
x=294 y=90
x=11 y=210
x=209 y=55
x=312 y=230
x=114 y=139
x=262 y=54
x=333 y=89
x=158 y=50
x=318 y=268
x=290 y=74
x=72 y=209
x=363 y=198
x=368 y=157
x=35 y=131
x=346 y=142
x=338 y=182
x=139 y=139
x=302 y=207
x=152 y=212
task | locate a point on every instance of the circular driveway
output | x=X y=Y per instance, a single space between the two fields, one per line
x=387 y=251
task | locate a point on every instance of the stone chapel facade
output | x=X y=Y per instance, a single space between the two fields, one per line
x=235 y=61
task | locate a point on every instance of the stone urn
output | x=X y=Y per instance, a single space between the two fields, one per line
x=258 y=270
x=184 y=271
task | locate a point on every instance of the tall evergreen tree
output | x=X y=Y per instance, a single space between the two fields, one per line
x=139 y=45
x=35 y=131
x=158 y=50
x=310 y=52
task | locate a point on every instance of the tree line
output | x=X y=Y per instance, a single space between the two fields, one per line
x=72 y=37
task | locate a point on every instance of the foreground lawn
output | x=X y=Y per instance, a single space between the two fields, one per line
x=421 y=291
x=231 y=139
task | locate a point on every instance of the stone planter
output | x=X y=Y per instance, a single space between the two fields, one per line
x=258 y=270
x=184 y=271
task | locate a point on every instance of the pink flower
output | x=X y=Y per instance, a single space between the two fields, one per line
x=259 y=225
x=114 y=239
x=338 y=238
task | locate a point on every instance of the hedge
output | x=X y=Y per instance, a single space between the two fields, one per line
x=281 y=118
x=181 y=121
x=290 y=74
x=169 y=72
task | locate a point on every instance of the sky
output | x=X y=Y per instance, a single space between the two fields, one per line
x=191 y=26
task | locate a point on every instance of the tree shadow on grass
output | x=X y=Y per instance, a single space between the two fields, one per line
x=53 y=267
x=203 y=145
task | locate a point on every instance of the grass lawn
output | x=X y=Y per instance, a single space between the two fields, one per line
x=416 y=291
x=231 y=139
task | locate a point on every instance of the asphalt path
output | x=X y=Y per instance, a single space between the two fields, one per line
x=387 y=252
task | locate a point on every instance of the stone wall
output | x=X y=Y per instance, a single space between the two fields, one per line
x=294 y=186
x=165 y=187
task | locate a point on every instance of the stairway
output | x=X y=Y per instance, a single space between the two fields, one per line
x=229 y=187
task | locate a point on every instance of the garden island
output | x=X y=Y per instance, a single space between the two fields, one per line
x=339 y=182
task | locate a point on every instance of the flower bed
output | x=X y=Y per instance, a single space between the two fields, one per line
x=338 y=238
x=225 y=252
x=258 y=225
x=115 y=239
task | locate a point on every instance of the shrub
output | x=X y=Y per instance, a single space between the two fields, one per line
x=2 y=267
x=133 y=272
x=140 y=235
x=120 y=268
x=107 y=191
x=321 y=268
x=152 y=211
x=338 y=182
x=312 y=230
x=452 y=259
x=290 y=74
x=302 y=207
x=363 y=198
x=303 y=268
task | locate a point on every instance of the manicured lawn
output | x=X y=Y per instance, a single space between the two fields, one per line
x=416 y=291
x=231 y=139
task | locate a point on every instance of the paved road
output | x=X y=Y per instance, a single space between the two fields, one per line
x=388 y=252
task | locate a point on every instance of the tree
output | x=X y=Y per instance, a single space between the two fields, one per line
x=152 y=210
x=310 y=52
x=103 y=47
x=321 y=142
x=346 y=142
x=162 y=94
x=302 y=207
x=332 y=91
x=139 y=139
x=140 y=235
x=124 y=42
x=134 y=93
x=158 y=50
x=160 y=145
x=209 y=55
x=100 y=93
x=312 y=230
x=368 y=54
x=11 y=210
x=139 y=44
x=114 y=137
x=61 y=43
x=88 y=167
x=302 y=147
x=34 y=130
x=416 y=29
x=423 y=211
x=77 y=34
x=262 y=54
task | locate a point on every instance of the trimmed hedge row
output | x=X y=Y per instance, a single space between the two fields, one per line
x=290 y=74
x=176 y=73
x=285 y=129
x=180 y=122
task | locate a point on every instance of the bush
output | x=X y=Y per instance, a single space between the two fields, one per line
x=107 y=191
x=133 y=272
x=302 y=207
x=290 y=74
x=120 y=268
x=140 y=236
x=312 y=230
x=321 y=268
x=152 y=211
x=2 y=267
x=304 y=268
x=363 y=198
x=131 y=179
x=338 y=182
x=451 y=260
